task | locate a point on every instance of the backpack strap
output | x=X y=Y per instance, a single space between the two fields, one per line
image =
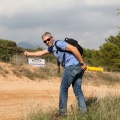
x=58 y=48
x=58 y=64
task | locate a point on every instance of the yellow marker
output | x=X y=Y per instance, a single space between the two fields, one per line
x=95 y=68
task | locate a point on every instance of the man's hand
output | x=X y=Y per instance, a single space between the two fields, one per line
x=26 y=53
x=83 y=67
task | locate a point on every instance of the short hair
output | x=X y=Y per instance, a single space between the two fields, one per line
x=45 y=34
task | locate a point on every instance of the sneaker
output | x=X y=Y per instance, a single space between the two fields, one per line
x=57 y=115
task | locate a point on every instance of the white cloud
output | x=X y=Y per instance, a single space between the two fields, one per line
x=11 y=7
x=102 y=2
x=89 y=21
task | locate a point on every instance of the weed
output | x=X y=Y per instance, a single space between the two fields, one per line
x=104 y=109
x=108 y=77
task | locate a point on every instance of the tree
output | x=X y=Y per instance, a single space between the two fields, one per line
x=118 y=14
x=114 y=40
x=91 y=57
x=110 y=53
x=6 y=51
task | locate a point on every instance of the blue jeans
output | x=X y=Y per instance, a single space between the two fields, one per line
x=72 y=75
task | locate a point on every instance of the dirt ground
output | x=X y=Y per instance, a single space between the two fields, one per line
x=19 y=97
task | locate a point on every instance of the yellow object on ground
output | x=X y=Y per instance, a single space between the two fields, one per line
x=94 y=68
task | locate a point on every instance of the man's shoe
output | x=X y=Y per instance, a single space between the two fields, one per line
x=59 y=115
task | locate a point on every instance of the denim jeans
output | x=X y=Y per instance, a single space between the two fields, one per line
x=72 y=75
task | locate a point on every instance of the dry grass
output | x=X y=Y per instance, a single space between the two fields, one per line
x=105 y=109
x=101 y=78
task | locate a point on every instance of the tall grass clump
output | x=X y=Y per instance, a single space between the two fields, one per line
x=101 y=78
x=111 y=78
x=107 y=108
x=35 y=73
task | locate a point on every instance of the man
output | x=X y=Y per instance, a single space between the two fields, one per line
x=74 y=68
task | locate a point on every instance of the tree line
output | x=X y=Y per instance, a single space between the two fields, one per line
x=108 y=55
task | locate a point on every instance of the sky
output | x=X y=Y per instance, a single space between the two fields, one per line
x=88 y=21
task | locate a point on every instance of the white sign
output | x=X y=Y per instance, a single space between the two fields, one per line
x=36 y=62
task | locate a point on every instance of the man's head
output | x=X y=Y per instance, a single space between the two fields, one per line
x=47 y=38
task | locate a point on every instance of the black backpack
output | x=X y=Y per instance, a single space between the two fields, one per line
x=72 y=42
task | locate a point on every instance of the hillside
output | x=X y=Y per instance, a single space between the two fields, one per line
x=24 y=89
x=50 y=70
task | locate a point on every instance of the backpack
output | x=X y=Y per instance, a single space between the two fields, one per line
x=72 y=42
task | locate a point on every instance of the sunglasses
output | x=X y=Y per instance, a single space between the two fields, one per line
x=47 y=40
